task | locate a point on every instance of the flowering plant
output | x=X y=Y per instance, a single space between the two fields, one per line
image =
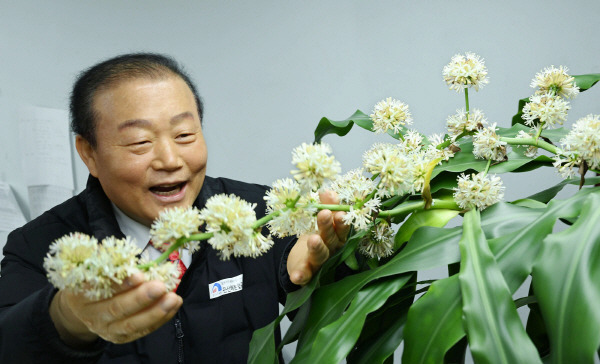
x=422 y=183
x=398 y=204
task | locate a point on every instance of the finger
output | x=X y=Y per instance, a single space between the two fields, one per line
x=144 y=322
x=129 y=282
x=316 y=254
x=329 y=197
x=341 y=228
x=124 y=304
x=326 y=228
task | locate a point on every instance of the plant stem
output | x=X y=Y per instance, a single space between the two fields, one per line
x=332 y=207
x=487 y=167
x=173 y=247
x=531 y=141
x=263 y=220
x=467 y=102
x=418 y=205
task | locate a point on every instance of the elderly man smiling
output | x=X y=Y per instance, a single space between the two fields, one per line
x=138 y=123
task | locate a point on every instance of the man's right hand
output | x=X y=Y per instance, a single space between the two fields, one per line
x=136 y=309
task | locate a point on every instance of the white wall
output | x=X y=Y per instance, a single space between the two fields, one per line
x=269 y=70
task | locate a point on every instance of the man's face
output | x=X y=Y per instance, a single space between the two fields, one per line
x=150 y=151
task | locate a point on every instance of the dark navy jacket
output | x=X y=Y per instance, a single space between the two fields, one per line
x=204 y=330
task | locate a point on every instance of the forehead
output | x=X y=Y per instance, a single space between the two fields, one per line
x=145 y=98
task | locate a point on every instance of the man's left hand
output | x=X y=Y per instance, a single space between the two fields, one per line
x=312 y=250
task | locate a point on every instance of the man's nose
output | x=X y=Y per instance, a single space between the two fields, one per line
x=166 y=156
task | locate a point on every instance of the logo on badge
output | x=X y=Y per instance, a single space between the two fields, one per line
x=225 y=286
x=216 y=287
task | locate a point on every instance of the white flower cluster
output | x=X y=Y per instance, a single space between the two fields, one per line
x=231 y=220
x=434 y=153
x=77 y=262
x=297 y=211
x=557 y=81
x=390 y=114
x=546 y=110
x=401 y=168
x=394 y=168
x=465 y=71
x=463 y=122
x=478 y=191
x=353 y=189
x=314 y=164
x=379 y=241
x=581 y=144
x=548 y=106
x=487 y=144
x=175 y=223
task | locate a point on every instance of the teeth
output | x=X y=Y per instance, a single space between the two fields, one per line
x=166 y=190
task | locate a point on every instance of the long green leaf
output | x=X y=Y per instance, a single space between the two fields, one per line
x=585 y=82
x=426 y=249
x=518 y=117
x=566 y=280
x=380 y=336
x=341 y=128
x=493 y=326
x=548 y=194
x=433 y=218
x=262 y=345
x=433 y=328
x=381 y=346
x=346 y=330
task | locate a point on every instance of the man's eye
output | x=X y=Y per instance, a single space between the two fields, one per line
x=186 y=137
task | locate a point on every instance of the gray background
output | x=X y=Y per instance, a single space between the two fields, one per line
x=269 y=70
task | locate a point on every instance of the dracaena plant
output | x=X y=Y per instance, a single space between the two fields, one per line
x=409 y=188
x=398 y=205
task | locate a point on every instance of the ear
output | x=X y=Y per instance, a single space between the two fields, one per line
x=87 y=154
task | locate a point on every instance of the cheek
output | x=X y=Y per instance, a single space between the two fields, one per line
x=130 y=171
x=196 y=158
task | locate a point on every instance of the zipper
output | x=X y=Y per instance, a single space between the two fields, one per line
x=179 y=336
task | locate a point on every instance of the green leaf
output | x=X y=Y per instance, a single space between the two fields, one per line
x=428 y=248
x=532 y=204
x=382 y=346
x=341 y=128
x=433 y=328
x=548 y=194
x=504 y=218
x=433 y=218
x=462 y=161
x=380 y=336
x=346 y=330
x=566 y=280
x=536 y=328
x=262 y=345
x=585 y=82
x=518 y=117
x=490 y=317
x=516 y=252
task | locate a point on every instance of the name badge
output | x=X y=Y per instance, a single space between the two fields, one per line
x=225 y=286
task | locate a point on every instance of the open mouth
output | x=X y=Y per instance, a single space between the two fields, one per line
x=167 y=189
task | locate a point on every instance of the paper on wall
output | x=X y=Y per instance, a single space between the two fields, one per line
x=46 y=147
x=11 y=216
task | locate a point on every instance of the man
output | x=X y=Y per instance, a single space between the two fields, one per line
x=138 y=123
